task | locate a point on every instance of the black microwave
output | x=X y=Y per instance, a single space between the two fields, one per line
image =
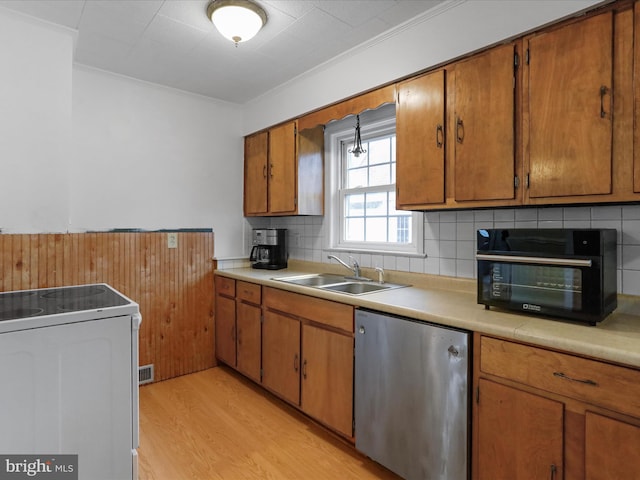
x=567 y=273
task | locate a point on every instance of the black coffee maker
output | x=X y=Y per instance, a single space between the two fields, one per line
x=269 y=248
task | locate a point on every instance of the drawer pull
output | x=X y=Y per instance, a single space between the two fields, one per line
x=553 y=471
x=585 y=381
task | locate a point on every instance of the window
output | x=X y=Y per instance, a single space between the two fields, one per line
x=364 y=192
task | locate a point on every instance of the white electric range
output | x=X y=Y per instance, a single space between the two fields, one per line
x=69 y=377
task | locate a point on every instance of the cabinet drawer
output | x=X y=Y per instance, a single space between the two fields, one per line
x=225 y=286
x=329 y=313
x=248 y=292
x=591 y=381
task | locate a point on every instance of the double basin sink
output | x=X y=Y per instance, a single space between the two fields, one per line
x=338 y=283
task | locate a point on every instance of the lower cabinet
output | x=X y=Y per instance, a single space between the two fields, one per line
x=327 y=377
x=542 y=414
x=225 y=328
x=300 y=348
x=281 y=355
x=307 y=355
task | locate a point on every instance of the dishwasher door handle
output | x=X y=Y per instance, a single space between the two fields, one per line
x=361 y=329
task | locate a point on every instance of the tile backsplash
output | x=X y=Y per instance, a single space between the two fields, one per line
x=449 y=238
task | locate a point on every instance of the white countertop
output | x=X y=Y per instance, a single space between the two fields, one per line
x=453 y=302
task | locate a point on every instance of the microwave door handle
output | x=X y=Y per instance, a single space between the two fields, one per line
x=561 y=262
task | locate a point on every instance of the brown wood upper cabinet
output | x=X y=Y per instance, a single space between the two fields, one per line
x=456 y=136
x=420 y=136
x=568 y=109
x=284 y=172
x=482 y=126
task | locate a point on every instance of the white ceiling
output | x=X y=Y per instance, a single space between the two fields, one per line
x=173 y=43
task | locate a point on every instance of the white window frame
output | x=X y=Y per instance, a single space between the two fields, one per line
x=372 y=124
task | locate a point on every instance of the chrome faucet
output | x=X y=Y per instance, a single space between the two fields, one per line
x=354 y=267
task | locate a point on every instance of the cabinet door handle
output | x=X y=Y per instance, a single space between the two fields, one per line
x=264 y=171
x=295 y=362
x=586 y=381
x=271 y=170
x=603 y=92
x=304 y=369
x=439 y=136
x=459 y=130
x=553 y=471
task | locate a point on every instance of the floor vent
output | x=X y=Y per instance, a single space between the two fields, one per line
x=145 y=374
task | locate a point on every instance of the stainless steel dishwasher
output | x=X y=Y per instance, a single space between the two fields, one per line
x=411 y=396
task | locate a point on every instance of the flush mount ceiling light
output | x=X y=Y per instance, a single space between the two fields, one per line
x=237 y=20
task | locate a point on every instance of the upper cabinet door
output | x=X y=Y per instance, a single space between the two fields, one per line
x=282 y=169
x=636 y=110
x=255 y=174
x=483 y=126
x=420 y=137
x=570 y=101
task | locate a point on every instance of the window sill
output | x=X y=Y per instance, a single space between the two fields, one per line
x=377 y=252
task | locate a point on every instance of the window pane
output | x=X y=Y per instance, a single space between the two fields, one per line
x=354 y=229
x=392 y=206
x=400 y=229
x=380 y=151
x=376 y=230
x=354 y=205
x=353 y=161
x=379 y=175
x=356 y=178
x=376 y=204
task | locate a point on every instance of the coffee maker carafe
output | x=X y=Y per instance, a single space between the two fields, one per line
x=269 y=248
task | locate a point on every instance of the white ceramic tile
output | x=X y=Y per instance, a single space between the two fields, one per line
x=465 y=250
x=631 y=282
x=526 y=214
x=448 y=231
x=365 y=260
x=448 y=267
x=617 y=224
x=447 y=217
x=527 y=224
x=377 y=261
x=447 y=249
x=609 y=212
x=464 y=216
x=504 y=224
x=631 y=212
x=403 y=264
x=576 y=224
x=465 y=231
x=432 y=248
x=464 y=268
x=504 y=215
x=549 y=214
x=432 y=230
x=483 y=215
x=416 y=265
x=631 y=257
x=577 y=213
x=389 y=262
x=631 y=232
x=432 y=266
x=550 y=224
x=432 y=217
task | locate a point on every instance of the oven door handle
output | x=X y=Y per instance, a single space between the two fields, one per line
x=561 y=262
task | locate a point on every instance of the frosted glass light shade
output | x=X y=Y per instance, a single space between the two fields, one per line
x=237 y=20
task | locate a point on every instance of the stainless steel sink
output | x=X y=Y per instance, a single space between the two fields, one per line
x=314 y=279
x=338 y=283
x=358 y=288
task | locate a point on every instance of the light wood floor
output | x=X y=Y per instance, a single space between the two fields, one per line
x=215 y=424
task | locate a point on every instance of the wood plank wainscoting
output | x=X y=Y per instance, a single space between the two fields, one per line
x=173 y=286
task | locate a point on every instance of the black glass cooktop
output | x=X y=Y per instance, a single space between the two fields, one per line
x=34 y=303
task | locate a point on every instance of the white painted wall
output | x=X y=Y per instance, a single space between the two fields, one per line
x=455 y=28
x=151 y=157
x=35 y=125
